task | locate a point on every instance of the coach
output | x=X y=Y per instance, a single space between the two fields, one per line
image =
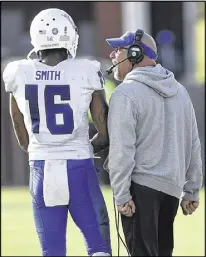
x=154 y=156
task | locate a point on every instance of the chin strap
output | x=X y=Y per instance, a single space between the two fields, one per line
x=30 y=53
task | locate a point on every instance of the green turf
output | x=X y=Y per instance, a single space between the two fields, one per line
x=19 y=237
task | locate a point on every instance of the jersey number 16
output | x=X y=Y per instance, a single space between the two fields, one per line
x=51 y=109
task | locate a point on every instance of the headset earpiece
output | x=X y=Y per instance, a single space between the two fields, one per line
x=135 y=52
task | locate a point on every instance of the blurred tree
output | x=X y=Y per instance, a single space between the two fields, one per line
x=200 y=10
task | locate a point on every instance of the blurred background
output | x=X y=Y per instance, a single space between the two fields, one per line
x=178 y=28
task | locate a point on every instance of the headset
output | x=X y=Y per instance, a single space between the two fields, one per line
x=135 y=53
x=117 y=218
x=117 y=221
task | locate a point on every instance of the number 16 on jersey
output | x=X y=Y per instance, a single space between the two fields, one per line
x=51 y=109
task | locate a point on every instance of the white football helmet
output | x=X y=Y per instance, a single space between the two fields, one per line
x=54 y=28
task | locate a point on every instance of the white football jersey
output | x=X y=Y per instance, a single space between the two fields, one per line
x=55 y=102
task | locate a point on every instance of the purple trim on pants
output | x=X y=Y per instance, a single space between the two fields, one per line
x=86 y=206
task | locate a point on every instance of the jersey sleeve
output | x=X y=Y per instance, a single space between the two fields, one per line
x=96 y=77
x=9 y=76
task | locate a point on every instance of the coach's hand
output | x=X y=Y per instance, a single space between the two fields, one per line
x=128 y=209
x=188 y=207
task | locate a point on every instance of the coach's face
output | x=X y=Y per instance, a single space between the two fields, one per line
x=121 y=70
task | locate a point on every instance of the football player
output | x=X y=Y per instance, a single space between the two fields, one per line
x=49 y=102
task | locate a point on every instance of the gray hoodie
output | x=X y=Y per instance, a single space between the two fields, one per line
x=153 y=136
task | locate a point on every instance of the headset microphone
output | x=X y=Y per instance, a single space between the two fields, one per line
x=109 y=71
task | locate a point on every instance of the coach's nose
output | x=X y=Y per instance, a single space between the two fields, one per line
x=112 y=55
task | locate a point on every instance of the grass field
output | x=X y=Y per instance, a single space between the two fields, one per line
x=19 y=237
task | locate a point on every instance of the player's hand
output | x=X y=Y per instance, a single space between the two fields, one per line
x=188 y=207
x=128 y=209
